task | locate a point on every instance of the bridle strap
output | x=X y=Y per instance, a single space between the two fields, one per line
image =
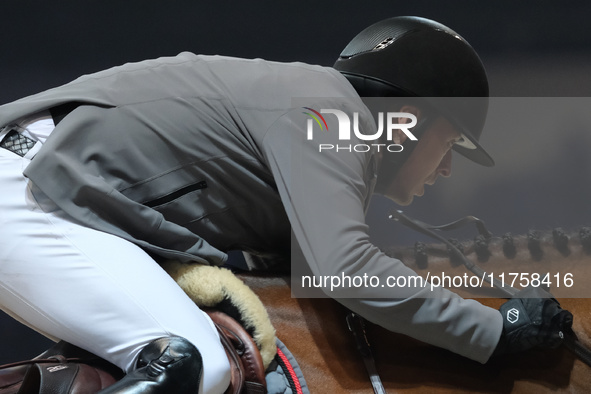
x=572 y=343
x=356 y=325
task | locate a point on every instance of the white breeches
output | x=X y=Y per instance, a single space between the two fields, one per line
x=89 y=288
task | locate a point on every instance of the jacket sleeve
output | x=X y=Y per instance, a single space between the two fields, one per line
x=324 y=194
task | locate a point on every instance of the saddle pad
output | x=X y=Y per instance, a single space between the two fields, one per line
x=284 y=375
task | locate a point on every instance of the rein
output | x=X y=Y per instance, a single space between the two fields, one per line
x=355 y=322
x=356 y=325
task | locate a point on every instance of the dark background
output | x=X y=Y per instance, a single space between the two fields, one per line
x=536 y=49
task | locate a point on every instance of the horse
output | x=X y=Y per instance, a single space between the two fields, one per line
x=316 y=332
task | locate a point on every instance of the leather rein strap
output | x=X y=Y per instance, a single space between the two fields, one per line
x=356 y=325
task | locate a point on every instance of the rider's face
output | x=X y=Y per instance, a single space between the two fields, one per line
x=430 y=159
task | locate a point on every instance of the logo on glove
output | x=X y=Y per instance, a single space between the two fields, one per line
x=513 y=315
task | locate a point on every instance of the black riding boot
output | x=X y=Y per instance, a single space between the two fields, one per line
x=165 y=366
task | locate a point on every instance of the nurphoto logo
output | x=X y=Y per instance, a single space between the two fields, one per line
x=386 y=123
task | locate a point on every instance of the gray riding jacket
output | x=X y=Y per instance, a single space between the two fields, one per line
x=192 y=156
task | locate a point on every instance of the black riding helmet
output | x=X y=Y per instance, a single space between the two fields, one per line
x=417 y=57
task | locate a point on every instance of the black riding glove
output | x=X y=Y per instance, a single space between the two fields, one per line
x=532 y=319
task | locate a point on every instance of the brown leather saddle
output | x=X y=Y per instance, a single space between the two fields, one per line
x=63 y=368
x=67 y=369
x=246 y=363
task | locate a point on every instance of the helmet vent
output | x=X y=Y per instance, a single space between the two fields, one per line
x=383 y=44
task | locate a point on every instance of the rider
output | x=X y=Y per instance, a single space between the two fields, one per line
x=189 y=157
x=427 y=63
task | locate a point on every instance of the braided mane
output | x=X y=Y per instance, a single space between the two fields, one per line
x=534 y=246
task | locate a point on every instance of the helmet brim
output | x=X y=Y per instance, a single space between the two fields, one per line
x=478 y=154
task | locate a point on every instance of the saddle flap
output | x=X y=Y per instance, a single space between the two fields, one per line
x=63 y=377
x=12 y=378
x=64 y=368
x=244 y=355
x=49 y=378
